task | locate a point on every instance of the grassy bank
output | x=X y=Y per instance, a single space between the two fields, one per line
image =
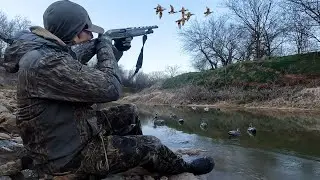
x=273 y=71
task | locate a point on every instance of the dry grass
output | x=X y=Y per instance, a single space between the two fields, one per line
x=278 y=97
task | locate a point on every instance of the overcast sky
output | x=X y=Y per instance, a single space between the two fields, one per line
x=162 y=47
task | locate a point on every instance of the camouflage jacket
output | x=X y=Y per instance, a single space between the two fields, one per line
x=55 y=93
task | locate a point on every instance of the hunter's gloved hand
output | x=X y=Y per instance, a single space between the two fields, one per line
x=123 y=44
x=103 y=41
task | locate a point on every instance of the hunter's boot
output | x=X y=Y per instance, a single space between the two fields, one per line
x=201 y=166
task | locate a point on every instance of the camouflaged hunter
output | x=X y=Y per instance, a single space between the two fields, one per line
x=60 y=130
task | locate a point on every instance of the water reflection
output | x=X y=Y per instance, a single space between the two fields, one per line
x=243 y=157
x=291 y=134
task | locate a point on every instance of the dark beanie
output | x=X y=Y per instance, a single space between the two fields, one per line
x=65 y=19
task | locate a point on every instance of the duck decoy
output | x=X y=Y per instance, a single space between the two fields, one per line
x=159 y=122
x=156 y=116
x=234 y=133
x=173 y=116
x=204 y=125
x=181 y=121
x=252 y=130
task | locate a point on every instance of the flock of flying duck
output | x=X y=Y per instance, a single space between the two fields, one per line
x=185 y=14
x=203 y=124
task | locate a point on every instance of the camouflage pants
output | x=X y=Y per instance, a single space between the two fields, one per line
x=126 y=148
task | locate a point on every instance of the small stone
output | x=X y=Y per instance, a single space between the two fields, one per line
x=5 y=150
x=18 y=140
x=164 y=178
x=5 y=178
x=148 y=178
x=65 y=177
x=134 y=177
x=114 y=177
x=12 y=167
x=8 y=122
x=4 y=136
x=3 y=109
x=184 y=176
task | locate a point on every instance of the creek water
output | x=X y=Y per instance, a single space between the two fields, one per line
x=286 y=145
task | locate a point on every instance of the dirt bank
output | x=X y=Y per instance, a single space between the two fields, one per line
x=284 y=98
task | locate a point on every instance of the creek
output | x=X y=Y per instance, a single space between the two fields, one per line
x=286 y=145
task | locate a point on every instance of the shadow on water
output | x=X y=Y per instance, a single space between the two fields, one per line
x=286 y=145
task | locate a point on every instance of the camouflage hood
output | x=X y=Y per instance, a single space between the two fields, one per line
x=27 y=41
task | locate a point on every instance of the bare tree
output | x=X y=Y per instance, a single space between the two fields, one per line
x=141 y=81
x=200 y=63
x=274 y=33
x=10 y=27
x=193 y=39
x=311 y=9
x=122 y=72
x=246 y=46
x=261 y=19
x=215 y=43
x=172 y=70
x=157 y=76
x=223 y=40
x=299 y=31
x=126 y=75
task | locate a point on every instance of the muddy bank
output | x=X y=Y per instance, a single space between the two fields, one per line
x=285 y=98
